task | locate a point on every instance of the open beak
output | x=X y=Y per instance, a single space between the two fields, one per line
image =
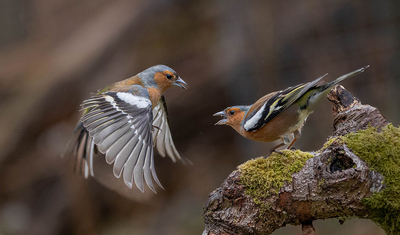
x=222 y=121
x=180 y=83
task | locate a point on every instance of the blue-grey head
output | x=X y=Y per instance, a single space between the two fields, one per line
x=161 y=77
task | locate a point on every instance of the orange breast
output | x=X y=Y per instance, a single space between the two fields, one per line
x=155 y=95
x=285 y=123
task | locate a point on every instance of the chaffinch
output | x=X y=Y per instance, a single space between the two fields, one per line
x=124 y=121
x=279 y=114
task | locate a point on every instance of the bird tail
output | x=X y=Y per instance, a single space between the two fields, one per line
x=326 y=87
x=312 y=97
x=81 y=148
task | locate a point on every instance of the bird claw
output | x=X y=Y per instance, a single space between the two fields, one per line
x=156 y=127
x=276 y=151
x=274 y=148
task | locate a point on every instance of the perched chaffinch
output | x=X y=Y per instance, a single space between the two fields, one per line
x=279 y=114
x=124 y=121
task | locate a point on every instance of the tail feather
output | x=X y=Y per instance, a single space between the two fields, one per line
x=329 y=85
x=311 y=99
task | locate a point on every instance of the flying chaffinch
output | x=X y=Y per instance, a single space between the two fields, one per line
x=124 y=121
x=279 y=114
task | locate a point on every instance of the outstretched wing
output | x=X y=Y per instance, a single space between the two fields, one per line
x=120 y=125
x=162 y=138
x=270 y=108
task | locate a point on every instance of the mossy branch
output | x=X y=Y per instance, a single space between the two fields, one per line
x=355 y=174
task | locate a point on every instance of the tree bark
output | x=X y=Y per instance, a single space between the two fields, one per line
x=331 y=184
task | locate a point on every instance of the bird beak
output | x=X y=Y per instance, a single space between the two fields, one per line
x=222 y=121
x=180 y=83
x=220 y=114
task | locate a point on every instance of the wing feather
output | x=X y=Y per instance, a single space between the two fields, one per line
x=273 y=104
x=138 y=169
x=146 y=167
x=117 y=147
x=119 y=124
x=131 y=163
x=124 y=126
x=111 y=128
x=162 y=136
x=124 y=154
x=106 y=143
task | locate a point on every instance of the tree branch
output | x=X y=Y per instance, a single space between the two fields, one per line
x=329 y=183
x=307 y=228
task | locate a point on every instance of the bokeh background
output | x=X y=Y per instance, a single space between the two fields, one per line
x=54 y=53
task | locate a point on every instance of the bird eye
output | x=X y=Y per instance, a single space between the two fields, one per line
x=231 y=112
x=169 y=76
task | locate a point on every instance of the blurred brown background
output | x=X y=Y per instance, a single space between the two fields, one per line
x=54 y=53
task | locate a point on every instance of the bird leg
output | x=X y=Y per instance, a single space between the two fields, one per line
x=274 y=148
x=290 y=145
x=285 y=140
x=296 y=136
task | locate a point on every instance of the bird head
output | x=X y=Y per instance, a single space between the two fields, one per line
x=163 y=77
x=232 y=116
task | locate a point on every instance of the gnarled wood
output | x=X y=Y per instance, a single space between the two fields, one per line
x=330 y=185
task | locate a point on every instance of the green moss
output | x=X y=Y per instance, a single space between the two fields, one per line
x=265 y=176
x=381 y=151
x=330 y=141
x=321 y=182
